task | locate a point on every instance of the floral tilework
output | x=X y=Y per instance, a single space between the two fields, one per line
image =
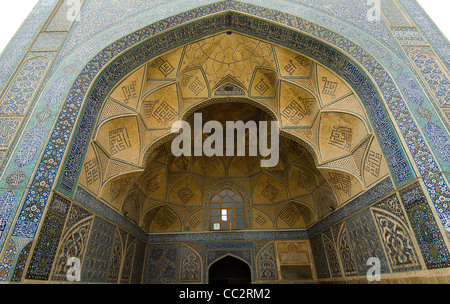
x=48 y=240
x=117 y=255
x=191 y=266
x=266 y=263
x=345 y=251
x=427 y=27
x=128 y=260
x=162 y=264
x=24 y=36
x=440 y=140
x=381 y=189
x=332 y=255
x=7 y=201
x=8 y=127
x=432 y=72
x=432 y=245
x=411 y=90
x=73 y=241
x=18 y=96
x=395 y=235
x=21 y=263
x=7 y=260
x=92 y=203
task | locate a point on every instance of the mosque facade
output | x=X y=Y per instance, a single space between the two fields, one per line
x=92 y=191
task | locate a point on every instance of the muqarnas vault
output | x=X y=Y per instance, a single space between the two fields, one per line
x=87 y=172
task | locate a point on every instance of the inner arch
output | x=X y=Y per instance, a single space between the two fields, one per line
x=328 y=153
x=229 y=270
x=188 y=185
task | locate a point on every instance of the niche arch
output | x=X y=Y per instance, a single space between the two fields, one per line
x=242 y=270
x=228 y=184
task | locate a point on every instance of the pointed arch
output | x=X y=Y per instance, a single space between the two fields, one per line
x=231 y=257
x=162 y=218
x=228 y=184
x=237 y=16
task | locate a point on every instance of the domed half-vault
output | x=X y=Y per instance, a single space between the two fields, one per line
x=328 y=154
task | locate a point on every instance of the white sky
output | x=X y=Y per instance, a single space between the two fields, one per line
x=13 y=13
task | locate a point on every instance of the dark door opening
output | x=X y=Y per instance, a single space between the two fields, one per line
x=229 y=270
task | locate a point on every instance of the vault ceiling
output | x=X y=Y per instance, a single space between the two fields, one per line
x=230 y=76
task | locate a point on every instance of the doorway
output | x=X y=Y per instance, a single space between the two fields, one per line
x=229 y=270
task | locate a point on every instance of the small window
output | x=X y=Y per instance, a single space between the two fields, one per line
x=224 y=215
x=227 y=211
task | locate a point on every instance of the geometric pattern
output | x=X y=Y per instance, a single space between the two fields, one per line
x=346 y=252
x=290 y=214
x=333 y=260
x=320 y=258
x=365 y=241
x=128 y=260
x=96 y=259
x=396 y=162
x=66 y=185
x=165 y=217
x=115 y=261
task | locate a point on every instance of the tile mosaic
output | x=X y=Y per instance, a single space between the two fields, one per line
x=431 y=242
x=19 y=94
x=16 y=49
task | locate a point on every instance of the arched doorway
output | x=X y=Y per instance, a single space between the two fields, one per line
x=229 y=270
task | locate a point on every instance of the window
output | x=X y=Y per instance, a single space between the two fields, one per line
x=227 y=211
